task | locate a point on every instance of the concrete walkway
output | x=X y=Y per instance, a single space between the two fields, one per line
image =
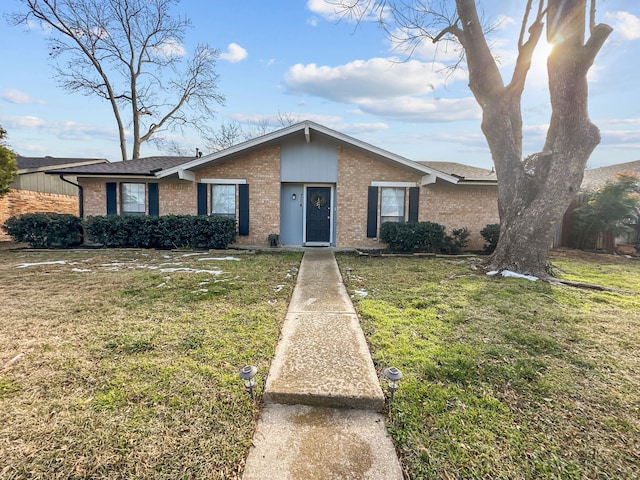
x=322 y=394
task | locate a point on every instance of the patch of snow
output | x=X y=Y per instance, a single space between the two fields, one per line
x=361 y=293
x=278 y=288
x=191 y=270
x=272 y=302
x=219 y=259
x=57 y=262
x=80 y=270
x=509 y=273
x=200 y=290
x=193 y=254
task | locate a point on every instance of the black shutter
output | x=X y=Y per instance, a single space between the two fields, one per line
x=243 y=209
x=154 y=199
x=112 y=199
x=202 y=198
x=372 y=212
x=414 y=200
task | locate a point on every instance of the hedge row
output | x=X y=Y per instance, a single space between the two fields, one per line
x=422 y=237
x=432 y=237
x=50 y=230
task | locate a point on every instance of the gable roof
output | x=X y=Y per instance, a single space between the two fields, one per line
x=42 y=164
x=466 y=173
x=148 y=166
x=597 y=177
x=308 y=130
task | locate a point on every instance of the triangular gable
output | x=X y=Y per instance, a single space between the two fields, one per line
x=309 y=128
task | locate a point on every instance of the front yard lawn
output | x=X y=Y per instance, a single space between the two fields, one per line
x=131 y=363
x=507 y=379
x=131 y=360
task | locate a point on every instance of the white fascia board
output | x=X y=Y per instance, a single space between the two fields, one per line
x=394 y=184
x=224 y=181
x=186 y=175
x=428 y=179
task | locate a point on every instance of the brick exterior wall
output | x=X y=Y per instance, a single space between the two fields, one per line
x=454 y=206
x=356 y=171
x=460 y=206
x=261 y=170
x=95 y=196
x=17 y=202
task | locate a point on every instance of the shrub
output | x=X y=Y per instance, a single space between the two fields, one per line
x=409 y=237
x=171 y=231
x=45 y=229
x=457 y=241
x=491 y=234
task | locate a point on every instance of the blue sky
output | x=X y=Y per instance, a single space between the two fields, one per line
x=295 y=57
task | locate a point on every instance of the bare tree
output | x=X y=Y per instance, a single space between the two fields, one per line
x=233 y=132
x=129 y=52
x=533 y=191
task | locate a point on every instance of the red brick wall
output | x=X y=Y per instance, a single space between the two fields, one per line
x=17 y=202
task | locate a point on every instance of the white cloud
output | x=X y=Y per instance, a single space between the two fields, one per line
x=334 y=10
x=626 y=24
x=385 y=87
x=422 y=109
x=234 y=54
x=374 y=78
x=170 y=48
x=64 y=129
x=325 y=9
x=13 y=95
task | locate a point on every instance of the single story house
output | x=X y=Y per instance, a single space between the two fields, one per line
x=34 y=191
x=306 y=183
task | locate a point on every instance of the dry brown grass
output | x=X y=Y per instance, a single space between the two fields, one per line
x=129 y=371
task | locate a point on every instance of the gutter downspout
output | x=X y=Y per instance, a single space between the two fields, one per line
x=80 y=194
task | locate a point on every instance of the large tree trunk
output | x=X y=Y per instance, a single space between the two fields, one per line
x=534 y=193
x=533 y=201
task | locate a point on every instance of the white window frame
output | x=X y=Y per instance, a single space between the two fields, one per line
x=123 y=191
x=396 y=209
x=230 y=210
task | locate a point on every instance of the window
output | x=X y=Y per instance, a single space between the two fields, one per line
x=223 y=200
x=132 y=199
x=391 y=204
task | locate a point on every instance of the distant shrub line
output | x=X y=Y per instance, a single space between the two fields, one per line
x=54 y=230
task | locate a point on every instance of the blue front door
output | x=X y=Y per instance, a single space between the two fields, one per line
x=318 y=215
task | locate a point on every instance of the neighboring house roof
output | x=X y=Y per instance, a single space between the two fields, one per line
x=466 y=173
x=147 y=166
x=43 y=164
x=596 y=177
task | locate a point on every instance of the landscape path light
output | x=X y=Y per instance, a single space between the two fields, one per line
x=247 y=374
x=393 y=376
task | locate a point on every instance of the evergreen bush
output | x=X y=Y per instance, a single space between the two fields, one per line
x=45 y=229
x=491 y=234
